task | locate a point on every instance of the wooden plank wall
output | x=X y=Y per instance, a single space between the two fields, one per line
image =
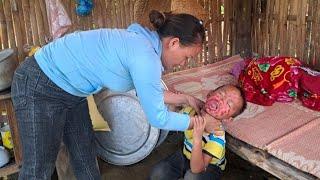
x=287 y=27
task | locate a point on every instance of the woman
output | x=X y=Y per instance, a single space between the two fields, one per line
x=49 y=90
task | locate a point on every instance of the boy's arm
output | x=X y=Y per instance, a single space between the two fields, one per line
x=199 y=160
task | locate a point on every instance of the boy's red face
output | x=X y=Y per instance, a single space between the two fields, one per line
x=224 y=102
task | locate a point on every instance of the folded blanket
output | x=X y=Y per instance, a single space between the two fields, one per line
x=270 y=79
x=309 y=89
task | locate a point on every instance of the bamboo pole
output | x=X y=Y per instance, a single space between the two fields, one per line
x=3 y=26
x=39 y=22
x=226 y=28
x=219 y=35
x=17 y=28
x=109 y=20
x=114 y=14
x=99 y=15
x=27 y=23
x=121 y=10
x=205 y=43
x=256 y=30
x=302 y=4
x=209 y=35
x=283 y=27
x=8 y=18
x=131 y=11
x=293 y=28
x=262 y=26
x=314 y=33
x=118 y=13
x=214 y=29
x=22 y=26
x=306 y=53
x=316 y=39
x=33 y=22
x=270 y=5
x=103 y=12
x=74 y=18
x=78 y=20
x=276 y=24
x=127 y=12
x=44 y=20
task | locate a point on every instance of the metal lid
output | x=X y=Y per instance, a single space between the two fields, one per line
x=4 y=54
x=131 y=138
x=163 y=135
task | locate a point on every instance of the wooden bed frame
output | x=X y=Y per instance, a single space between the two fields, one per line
x=265 y=161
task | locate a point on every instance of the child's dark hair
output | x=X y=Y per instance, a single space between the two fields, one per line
x=243 y=98
x=186 y=27
x=244 y=102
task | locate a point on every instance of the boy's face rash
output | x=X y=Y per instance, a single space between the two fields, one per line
x=224 y=102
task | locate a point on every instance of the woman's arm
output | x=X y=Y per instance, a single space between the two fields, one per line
x=181 y=98
x=174 y=98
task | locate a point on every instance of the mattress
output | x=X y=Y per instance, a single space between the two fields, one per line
x=288 y=131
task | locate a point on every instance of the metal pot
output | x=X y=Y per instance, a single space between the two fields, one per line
x=131 y=138
x=7 y=67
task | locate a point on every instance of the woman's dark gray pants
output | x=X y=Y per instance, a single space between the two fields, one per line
x=46 y=116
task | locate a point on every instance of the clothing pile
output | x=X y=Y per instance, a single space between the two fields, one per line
x=278 y=79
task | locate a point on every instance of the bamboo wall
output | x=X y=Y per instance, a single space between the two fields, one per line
x=24 y=22
x=279 y=27
x=287 y=27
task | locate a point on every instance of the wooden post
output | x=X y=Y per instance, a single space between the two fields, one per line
x=243 y=24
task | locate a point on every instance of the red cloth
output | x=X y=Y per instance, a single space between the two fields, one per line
x=309 y=90
x=270 y=79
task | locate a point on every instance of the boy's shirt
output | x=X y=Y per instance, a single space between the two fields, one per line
x=212 y=144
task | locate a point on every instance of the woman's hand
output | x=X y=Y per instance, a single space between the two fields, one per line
x=198 y=128
x=212 y=125
x=178 y=98
x=194 y=102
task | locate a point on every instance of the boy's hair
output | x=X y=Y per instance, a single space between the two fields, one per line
x=244 y=102
x=242 y=95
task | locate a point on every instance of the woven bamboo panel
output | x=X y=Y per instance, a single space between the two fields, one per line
x=219 y=28
x=24 y=22
x=289 y=28
x=106 y=13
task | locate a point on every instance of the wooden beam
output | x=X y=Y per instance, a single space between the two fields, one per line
x=265 y=161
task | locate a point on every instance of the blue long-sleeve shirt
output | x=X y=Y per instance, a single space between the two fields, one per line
x=82 y=63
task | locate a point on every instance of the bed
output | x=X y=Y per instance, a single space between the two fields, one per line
x=283 y=139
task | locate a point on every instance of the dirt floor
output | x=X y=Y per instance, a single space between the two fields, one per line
x=237 y=168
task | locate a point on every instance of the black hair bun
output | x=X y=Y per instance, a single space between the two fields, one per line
x=156 y=18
